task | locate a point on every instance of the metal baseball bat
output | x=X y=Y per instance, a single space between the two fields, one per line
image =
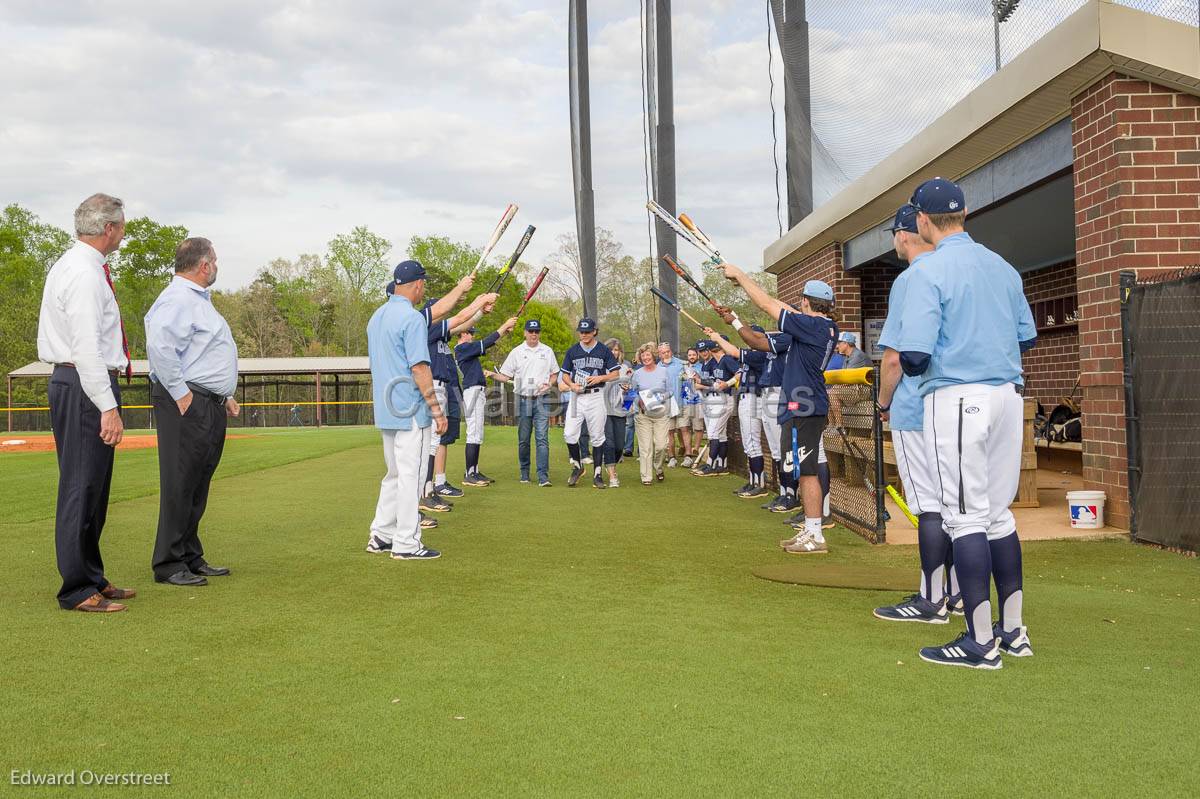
x=679 y=269
x=675 y=305
x=498 y=282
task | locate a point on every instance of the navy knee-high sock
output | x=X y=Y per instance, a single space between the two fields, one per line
x=951 y=575
x=724 y=450
x=597 y=460
x=756 y=470
x=932 y=542
x=573 y=451
x=714 y=453
x=1006 y=569
x=429 y=477
x=973 y=559
x=471 y=456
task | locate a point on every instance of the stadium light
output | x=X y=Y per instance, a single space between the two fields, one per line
x=1002 y=10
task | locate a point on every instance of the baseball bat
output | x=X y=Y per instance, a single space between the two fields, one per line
x=529 y=294
x=665 y=217
x=501 y=226
x=902 y=505
x=695 y=230
x=675 y=305
x=498 y=282
x=679 y=269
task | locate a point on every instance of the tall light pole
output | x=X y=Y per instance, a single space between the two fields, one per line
x=1001 y=11
x=581 y=152
x=662 y=151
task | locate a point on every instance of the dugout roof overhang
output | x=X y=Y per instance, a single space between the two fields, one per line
x=1009 y=138
x=246 y=366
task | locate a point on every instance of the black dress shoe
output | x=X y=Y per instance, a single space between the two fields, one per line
x=182 y=577
x=208 y=570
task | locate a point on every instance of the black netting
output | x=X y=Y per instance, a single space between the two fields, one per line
x=1162 y=328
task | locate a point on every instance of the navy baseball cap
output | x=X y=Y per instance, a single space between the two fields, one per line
x=390 y=288
x=408 y=272
x=586 y=325
x=906 y=219
x=818 y=290
x=938 y=196
x=533 y=325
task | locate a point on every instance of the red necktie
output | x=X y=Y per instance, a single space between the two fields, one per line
x=124 y=338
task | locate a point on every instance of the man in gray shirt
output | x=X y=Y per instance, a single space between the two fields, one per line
x=854 y=358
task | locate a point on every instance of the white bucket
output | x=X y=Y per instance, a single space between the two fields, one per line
x=1087 y=508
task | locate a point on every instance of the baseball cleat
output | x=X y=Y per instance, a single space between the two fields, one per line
x=420 y=554
x=739 y=491
x=795 y=519
x=475 y=481
x=754 y=492
x=376 y=545
x=964 y=651
x=576 y=473
x=771 y=505
x=598 y=482
x=435 y=503
x=1014 y=642
x=784 y=505
x=955 y=603
x=426 y=522
x=807 y=545
x=915 y=608
x=447 y=490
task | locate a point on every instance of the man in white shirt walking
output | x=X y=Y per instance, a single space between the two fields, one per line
x=193 y=368
x=531 y=368
x=80 y=333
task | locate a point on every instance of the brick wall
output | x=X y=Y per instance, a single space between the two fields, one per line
x=1052 y=367
x=1137 y=206
x=826 y=264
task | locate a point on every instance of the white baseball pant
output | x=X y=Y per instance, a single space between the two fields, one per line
x=973 y=441
x=768 y=414
x=589 y=409
x=750 y=425
x=439 y=391
x=396 y=515
x=920 y=481
x=474 y=404
x=718 y=408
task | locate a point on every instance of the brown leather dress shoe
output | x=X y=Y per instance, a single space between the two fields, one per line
x=110 y=591
x=98 y=604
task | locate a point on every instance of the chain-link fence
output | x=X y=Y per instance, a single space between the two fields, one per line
x=1160 y=322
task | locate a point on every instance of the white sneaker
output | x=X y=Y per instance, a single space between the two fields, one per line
x=687 y=462
x=614 y=482
x=588 y=459
x=807 y=545
x=671 y=464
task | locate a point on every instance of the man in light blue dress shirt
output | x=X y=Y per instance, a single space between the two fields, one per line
x=193 y=369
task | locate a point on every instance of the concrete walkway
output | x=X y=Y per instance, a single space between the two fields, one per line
x=1050 y=520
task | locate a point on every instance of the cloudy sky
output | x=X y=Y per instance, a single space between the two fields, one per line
x=272 y=126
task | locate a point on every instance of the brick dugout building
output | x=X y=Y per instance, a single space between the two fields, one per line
x=1079 y=159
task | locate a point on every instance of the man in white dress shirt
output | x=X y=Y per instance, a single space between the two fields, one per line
x=80 y=333
x=193 y=371
x=532 y=369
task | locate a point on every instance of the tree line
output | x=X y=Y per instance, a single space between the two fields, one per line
x=319 y=303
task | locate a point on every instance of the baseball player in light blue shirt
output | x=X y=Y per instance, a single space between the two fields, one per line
x=902 y=407
x=407 y=413
x=965 y=324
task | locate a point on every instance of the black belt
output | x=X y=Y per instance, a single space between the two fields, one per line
x=111 y=372
x=592 y=390
x=204 y=392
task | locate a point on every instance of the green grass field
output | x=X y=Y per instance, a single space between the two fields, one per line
x=568 y=642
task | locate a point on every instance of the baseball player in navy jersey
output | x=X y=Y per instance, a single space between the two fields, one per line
x=750 y=386
x=586 y=367
x=716 y=381
x=467 y=353
x=965 y=323
x=803 y=402
x=901 y=407
x=445 y=383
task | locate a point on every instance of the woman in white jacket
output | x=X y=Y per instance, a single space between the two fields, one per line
x=652 y=382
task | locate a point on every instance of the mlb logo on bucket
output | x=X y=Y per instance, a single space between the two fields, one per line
x=1083 y=513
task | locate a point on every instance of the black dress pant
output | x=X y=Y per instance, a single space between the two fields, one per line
x=85 y=465
x=189 y=449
